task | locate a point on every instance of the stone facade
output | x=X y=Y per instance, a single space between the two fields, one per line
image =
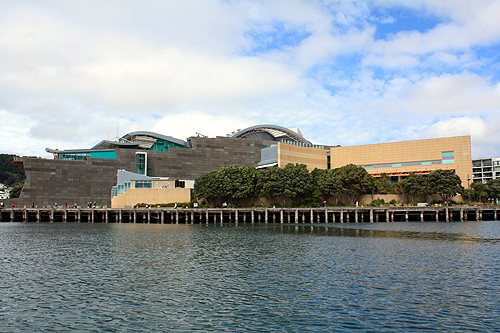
x=68 y=182
x=64 y=181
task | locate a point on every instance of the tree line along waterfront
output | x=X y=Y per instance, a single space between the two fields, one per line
x=296 y=186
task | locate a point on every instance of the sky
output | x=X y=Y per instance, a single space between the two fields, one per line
x=73 y=73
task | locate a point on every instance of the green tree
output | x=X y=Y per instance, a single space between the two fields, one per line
x=479 y=191
x=270 y=182
x=297 y=182
x=415 y=186
x=208 y=186
x=10 y=174
x=383 y=184
x=493 y=188
x=16 y=191
x=444 y=183
x=236 y=183
x=328 y=183
x=356 y=181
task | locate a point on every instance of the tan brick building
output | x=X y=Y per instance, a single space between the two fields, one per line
x=399 y=159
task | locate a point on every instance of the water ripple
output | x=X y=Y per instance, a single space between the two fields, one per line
x=258 y=278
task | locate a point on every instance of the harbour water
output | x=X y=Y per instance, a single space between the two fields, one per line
x=377 y=277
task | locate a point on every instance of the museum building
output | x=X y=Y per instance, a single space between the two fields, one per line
x=80 y=176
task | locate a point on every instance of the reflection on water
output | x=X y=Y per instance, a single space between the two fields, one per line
x=326 y=230
x=262 y=277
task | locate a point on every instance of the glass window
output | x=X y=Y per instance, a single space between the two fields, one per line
x=140 y=164
x=448 y=153
x=143 y=184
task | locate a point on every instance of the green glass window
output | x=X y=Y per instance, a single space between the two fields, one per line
x=140 y=164
x=163 y=145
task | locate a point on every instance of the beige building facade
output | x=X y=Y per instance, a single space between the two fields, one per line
x=151 y=196
x=399 y=159
x=312 y=157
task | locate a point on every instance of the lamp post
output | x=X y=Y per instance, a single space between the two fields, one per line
x=468 y=187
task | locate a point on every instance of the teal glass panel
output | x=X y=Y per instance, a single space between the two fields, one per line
x=163 y=145
x=396 y=165
x=448 y=161
x=103 y=154
x=426 y=163
x=448 y=154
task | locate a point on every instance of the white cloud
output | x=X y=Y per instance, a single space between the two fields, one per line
x=186 y=124
x=72 y=72
x=485 y=134
x=454 y=94
x=14 y=131
x=458 y=126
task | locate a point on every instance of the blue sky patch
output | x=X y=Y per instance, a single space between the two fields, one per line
x=393 y=21
x=274 y=37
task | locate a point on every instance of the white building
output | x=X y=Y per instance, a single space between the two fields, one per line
x=485 y=169
x=4 y=193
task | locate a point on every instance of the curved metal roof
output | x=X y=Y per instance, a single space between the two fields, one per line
x=272 y=132
x=128 y=136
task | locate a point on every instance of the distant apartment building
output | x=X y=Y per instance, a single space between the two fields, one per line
x=485 y=169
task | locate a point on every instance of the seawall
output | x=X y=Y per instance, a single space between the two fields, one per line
x=252 y=215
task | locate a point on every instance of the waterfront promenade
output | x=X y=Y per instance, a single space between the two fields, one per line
x=252 y=215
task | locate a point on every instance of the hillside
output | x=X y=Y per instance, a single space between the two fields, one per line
x=10 y=174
